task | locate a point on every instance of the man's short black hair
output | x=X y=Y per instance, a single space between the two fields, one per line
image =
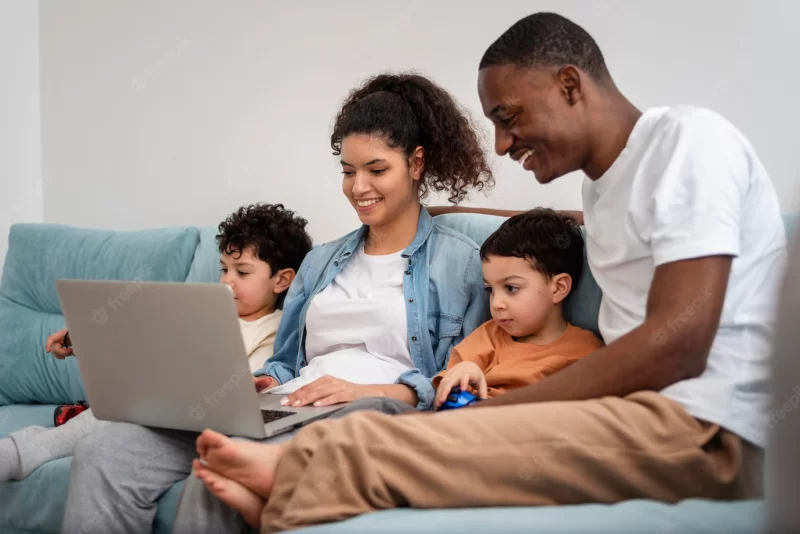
x=550 y=241
x=547 y=39
x=277 y=236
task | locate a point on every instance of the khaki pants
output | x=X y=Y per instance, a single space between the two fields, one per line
x=599 y=451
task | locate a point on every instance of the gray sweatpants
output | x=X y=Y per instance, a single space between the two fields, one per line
x=121 y=470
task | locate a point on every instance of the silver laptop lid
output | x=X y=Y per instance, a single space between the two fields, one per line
x=162 y=354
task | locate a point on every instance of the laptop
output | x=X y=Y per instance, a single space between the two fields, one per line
x=170 y=355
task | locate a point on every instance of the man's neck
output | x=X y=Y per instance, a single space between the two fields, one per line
x=395 y=236
x=612 y=131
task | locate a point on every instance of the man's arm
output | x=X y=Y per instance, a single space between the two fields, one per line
x=442 y=210
x=683 y=313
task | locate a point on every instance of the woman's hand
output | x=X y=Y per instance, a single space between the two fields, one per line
x=57 y=345
x=329 y=390
x=263 y=383
x=462 y=375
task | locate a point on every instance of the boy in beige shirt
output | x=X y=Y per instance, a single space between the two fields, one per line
x=261 y=248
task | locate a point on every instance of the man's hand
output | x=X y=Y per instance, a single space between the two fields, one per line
x=57 y=345
x=463 y=374
x=329 y=390
x=263 y=383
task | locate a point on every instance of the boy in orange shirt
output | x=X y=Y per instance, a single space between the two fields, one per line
x=530 y=265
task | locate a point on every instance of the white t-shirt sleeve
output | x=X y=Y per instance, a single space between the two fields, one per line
x=701 y=175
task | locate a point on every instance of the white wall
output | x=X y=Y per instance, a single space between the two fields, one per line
x=161 y=113
x=20 y=154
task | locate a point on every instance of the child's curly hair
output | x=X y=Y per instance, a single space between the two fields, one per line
x=278 y=236
x=409 y=111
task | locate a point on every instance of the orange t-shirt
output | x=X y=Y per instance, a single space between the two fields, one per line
x=509 y=364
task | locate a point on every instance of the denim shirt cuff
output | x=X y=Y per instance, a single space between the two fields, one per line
x=276 y=371
x=423 y=385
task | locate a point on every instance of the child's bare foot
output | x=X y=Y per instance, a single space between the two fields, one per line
x=251 y=464
x=232 y=493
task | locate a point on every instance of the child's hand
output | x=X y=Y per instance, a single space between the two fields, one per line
x=56 y=345
x=462 y=375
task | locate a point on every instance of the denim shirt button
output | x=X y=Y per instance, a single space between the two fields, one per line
x=411 y=300
x=408 y=272
x=336 y=263
x=413 y=338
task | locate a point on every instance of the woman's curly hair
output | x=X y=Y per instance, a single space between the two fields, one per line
x=409 y=111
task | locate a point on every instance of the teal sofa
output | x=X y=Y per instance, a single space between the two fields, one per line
x=32 y=383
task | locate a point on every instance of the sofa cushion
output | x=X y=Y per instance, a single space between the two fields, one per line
x=790 y=221
x=205 y=264
x=40 y=254
x=631 y=517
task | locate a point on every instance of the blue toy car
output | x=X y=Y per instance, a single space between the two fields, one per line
x=458 y=399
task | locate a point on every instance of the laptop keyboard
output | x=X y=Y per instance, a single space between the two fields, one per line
x=273 y=415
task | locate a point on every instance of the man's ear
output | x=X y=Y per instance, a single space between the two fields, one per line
x=571 y=81
x=285 y=277
x=561 y=285
x=416 y=163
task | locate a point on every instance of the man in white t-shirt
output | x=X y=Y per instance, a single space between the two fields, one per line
x=685 y=239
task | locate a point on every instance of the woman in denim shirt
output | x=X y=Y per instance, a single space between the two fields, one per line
x=375 y=313
x=398 y=136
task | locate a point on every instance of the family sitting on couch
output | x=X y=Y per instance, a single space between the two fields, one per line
x=683 y=236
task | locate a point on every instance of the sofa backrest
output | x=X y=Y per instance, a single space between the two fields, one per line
x=205 y=264
x=39 y=254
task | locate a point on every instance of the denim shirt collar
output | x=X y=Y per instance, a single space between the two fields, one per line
x=424 y=229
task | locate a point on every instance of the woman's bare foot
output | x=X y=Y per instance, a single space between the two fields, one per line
x=251 y=464
x=232 y=493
